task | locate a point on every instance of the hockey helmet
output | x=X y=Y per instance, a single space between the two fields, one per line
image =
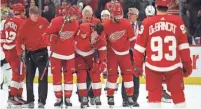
x=150 y=10
x=117 y=12
x=105 y=12
x=164 y=3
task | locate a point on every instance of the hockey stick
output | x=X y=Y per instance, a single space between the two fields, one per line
x=47 y=64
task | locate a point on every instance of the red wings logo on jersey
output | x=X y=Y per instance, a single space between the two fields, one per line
x=66 y=34
x=117 y=35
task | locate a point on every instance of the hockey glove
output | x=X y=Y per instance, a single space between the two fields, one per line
x=99 y=28
x=102 y=67
x=187 y=69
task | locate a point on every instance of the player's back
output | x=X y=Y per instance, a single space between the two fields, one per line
x=164 y=37
x=10 y=29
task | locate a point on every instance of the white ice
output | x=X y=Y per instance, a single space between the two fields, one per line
x=193 y=97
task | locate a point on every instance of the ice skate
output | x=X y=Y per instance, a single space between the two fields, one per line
x=59 y=103
x=97 y=101
x=92 y=100
x=21 y=100
x=136 y=104
x=166 y=98
x=130 y=102
x=125 y=103
x=111 y=101
x=84 y=102
x=13 y=103
x=68 y=103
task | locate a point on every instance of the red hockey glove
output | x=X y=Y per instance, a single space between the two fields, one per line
x=102 y=67
x=138 y=71
x=187 y=69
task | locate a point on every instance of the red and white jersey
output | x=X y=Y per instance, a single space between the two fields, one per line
x=120 y=36
x=60 y=11
x=110 y=5
x=62 y=42
x=165 y=41
x=10 y=31
x=85 y=45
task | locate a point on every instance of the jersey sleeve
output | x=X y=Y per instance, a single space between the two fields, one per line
x=53 y=28
x=131 y=36
x=101 y=46
x=140 y=45
x=20 y=38
x=183 y=45
x=3 y=36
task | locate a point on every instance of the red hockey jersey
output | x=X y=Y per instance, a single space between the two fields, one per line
x=110 y=5
x=88 y=40
x=62 y=43
x=165 y=41
x=59 y=11
x=120 y=36
x=10 y=31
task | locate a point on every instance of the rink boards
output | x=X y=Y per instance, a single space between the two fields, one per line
x=195 y=77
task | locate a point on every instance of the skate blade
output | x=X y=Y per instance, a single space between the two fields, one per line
x=131 y=107
x=166 y=100
x=10 y=106
x=27 y=106
x=58 y=107
x=111 y=106
x=67 y=107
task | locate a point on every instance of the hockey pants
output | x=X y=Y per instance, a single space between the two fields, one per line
x=174 y=81
x=16 y=86
x=124 y=62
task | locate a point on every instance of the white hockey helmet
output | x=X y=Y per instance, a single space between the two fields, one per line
x=105 y=12
x=150 y=10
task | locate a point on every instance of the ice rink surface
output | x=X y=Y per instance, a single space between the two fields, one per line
x=193 y=98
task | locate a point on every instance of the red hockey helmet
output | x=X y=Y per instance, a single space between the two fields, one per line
x=18 y=8
x=71 y=10
x=163 y=2
x=117 y=12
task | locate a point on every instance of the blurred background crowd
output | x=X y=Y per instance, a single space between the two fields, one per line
x=189 y=10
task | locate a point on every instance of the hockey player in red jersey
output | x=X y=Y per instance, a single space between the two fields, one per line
x=62 y=31
x=120 y=37
x=60 y=11
x=9 y=33
x=90 y=47
x=164 y=39
x=110 y=5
